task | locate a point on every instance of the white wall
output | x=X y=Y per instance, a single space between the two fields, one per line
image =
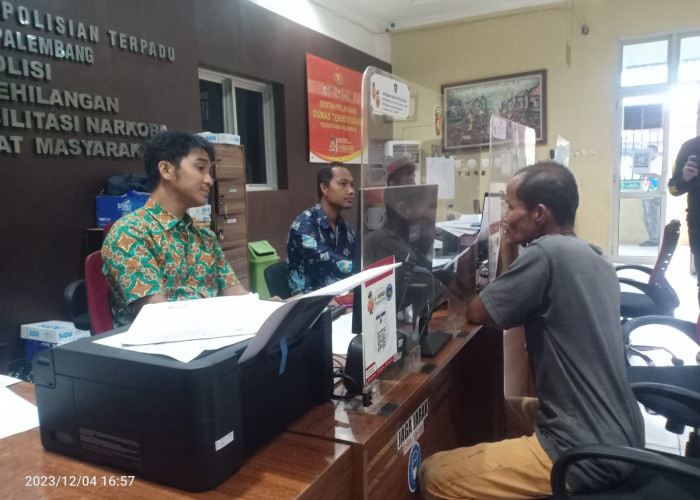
x=581 y=94
x=376 y=43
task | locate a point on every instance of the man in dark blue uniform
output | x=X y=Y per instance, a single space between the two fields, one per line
x=320 y=244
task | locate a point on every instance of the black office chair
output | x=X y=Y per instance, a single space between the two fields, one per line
x=656 y=296
x=76 y=304
x=657 y=475
x=677 y=408
x=672 y=391
x=662 y=326
x=277 y=281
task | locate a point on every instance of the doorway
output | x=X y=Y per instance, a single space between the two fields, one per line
x=658 y=101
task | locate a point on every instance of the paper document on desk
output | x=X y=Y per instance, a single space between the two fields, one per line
x=467 y=224
x=17 y=415
x=347 y=284
x=184 y=351
x=191 y=327
x=6 y=380
x=292 y=319
x=342 y=334
x=184 y=329
x=198 y=319
x=299 y=313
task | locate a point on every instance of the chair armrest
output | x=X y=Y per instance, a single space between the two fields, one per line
x=622 y=453
x=639 y=285
x=643 y=269
x=681 y=394
x=681 y=325
x=661 y=294
x=679 y=403
x=72 y=288
x=75 y=298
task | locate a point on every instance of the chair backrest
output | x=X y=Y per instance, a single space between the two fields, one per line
x=672 y=232
x=97 y=294
x=277 y=281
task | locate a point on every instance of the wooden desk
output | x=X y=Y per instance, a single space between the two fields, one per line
x=464 y=388
x=290 y=467
x=331 y=452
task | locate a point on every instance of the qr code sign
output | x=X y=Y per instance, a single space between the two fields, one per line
x=380 y=319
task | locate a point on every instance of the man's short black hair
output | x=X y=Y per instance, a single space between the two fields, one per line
x=325 y=174
x=552 y=185
x=172 y=147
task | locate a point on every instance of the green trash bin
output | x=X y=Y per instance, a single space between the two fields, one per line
x=260 y=255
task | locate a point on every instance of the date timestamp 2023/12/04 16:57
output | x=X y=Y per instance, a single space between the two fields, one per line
x=70 y=481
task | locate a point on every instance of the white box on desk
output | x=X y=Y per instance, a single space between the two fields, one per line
x=200 y=214
x=55 y=332
x=221 y=138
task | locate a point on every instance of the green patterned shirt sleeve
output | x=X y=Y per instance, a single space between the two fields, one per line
x=152 y=252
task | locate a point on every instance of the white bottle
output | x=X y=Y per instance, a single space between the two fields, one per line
x=450 y=213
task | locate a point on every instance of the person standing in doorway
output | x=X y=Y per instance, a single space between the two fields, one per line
x=651 y=207
x=685 y=180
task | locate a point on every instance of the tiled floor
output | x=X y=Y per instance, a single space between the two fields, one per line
x=680 y=278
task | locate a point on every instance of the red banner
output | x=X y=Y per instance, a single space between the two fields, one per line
x=335 y=119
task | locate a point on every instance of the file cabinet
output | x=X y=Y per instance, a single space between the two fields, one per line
x=228 y=207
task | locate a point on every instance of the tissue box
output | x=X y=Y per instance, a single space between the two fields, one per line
x=200 y=214
x=221 y=138
x=48 y=334
x=54 y=332
x=112 y=208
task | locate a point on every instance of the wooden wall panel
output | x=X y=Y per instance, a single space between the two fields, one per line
x=49 y=200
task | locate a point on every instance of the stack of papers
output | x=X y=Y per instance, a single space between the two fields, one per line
x=466 y=224
x=184 y=329
x=17 y=415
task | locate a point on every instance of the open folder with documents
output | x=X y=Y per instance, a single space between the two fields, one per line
x=184 y=329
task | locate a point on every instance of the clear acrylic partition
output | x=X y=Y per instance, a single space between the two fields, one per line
x=512 y=147
x=417 y=202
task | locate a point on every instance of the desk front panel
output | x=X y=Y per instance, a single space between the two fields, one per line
x=289 y=467
x=464 y=389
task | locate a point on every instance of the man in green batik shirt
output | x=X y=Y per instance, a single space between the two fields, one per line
x=156 y=253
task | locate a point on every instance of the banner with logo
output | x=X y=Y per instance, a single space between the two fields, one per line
x=335 y=118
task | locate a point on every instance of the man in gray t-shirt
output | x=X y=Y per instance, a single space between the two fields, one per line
x=567 y=297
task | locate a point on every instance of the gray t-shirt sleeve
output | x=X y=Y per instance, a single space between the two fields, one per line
x=518 y=292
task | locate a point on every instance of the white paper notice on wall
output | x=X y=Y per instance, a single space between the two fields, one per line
x=499 y=127
x=441 y=171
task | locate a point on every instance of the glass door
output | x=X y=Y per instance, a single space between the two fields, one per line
x=642 y=176
x=658 y=99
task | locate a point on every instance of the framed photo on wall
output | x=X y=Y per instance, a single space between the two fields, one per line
x=469 y=105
